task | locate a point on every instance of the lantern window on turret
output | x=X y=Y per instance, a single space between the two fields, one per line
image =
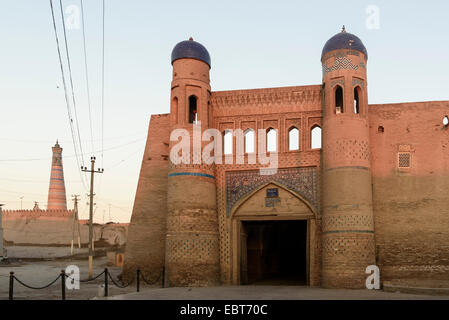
x=338 y=99
x=357 y=95
x=193 y=111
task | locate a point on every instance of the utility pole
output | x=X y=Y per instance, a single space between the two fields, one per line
x=91 y=210
x=75 y=223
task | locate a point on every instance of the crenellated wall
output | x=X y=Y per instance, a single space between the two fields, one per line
x=38 y=227
x=55 y=227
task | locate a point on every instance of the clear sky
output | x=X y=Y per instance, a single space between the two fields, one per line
x=253 y=44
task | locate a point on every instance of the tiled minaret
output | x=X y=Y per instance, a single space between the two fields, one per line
x=56 y=193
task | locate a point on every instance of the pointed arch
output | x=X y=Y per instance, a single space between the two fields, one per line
x=175 y=109
x=250 y=141
x=293 y=138
x=357 y=99
x=227 y=142
x=315 y=137
x=272 y=137
x=338 y=99
x=193 y=109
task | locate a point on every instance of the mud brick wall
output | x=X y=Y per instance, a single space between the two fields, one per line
x=145 y=247
x=411 y=203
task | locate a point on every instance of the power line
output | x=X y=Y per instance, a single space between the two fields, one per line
x=87 y=77
x=35 y=181
x=71 y=85
x=62 y=141
x=126 y=158
x=73 y=155
x=15 y=192
x=102 y=100
x=65 y=88
x=71 y=80
x=102 y=93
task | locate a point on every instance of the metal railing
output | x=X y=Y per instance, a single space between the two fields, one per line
x=107 y=275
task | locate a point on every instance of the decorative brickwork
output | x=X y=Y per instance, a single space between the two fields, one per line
x=357 y=81
x=404 y=160
x=304 y=181
x=338 y=81
x=348 y=222
x=272 y=96
x=341 y=63
x=349 y=149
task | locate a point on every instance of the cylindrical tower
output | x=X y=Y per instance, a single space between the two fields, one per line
x=56 y=193
x=348 y=245
x=192 y=248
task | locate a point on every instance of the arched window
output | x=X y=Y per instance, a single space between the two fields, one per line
x=293 y=139
x=227 y=142
x=271 y=140
x=193 y=114
x=249 y=140
x=357 y=96
x=175 y=109
x=339 y=99
x=315 y=137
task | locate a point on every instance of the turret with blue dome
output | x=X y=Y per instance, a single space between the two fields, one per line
x=190 y=49
x=344 y=40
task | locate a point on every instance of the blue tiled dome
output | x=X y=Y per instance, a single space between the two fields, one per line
x=190 y=49
x=344 y=40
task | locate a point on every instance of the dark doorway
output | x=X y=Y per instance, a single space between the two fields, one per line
x=275 y=253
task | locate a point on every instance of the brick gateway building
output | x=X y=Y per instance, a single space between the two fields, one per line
x=376 y=193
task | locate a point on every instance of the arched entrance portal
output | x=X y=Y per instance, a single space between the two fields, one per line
x=272 y=232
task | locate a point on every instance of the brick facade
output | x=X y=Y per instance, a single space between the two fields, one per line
x=360 y=207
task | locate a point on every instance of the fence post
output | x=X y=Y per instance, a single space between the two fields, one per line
x=63 y=284
x=163 y=277
x=11 y=285
x=105 y=282
x=138 y=280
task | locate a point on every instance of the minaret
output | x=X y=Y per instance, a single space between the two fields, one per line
x=192 y=247
x=348 y=245
x=56 y=192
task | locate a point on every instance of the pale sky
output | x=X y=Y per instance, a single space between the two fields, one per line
x=253 y=44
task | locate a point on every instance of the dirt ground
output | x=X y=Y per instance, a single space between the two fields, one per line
x=40 y=273
x=42 y=252
x=268 y=293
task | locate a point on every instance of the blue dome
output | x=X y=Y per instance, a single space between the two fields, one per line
x=344 y=40
x=190 y=49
